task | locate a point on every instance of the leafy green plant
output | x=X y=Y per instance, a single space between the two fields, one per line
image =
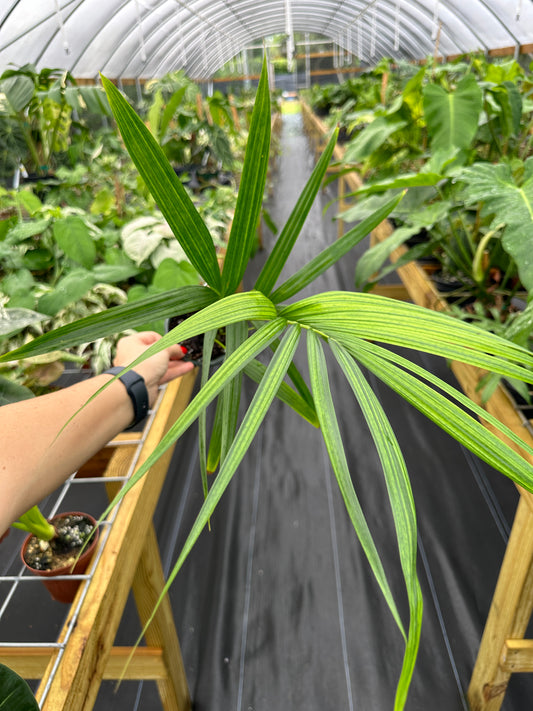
x=36 y=115
x=34 y=522
x=15 y=694
x=355 y=327
x=505 y=194
x=195 y=134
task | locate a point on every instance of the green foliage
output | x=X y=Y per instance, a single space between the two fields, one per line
x=15 y=694
x=452 y=117
x=34 y=522
x=262 y=321
x=36 y=116
x=506 y=198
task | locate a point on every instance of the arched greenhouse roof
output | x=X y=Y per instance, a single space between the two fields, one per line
x=143 y=39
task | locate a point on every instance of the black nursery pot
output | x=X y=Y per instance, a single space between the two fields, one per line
x=454 y=290
x=195 y=344
x=64 y=590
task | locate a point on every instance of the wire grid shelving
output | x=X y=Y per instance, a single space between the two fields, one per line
x=75 y=651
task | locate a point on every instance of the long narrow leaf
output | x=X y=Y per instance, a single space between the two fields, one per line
x=448 y=416
x=285 y=242
x=464 y=401
x=166 y=188
x=215 y=440
x=334 y=445
x=378 y=318
x=251 y=190
x=117 y=319
x=297 y=380
x=231 y=366
x=256 y=370
x=236 y=307
x=209 y=340
x=231 y=395
x=402 y=504
x=251 y=305
x=329 y=256
x=255 y=414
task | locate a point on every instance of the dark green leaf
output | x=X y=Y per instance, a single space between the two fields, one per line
x=285 y=242
x=332 y=254
x=251 y=190
x=73 y=237
x=166 y=188
x=69 y=289
x=15 y=694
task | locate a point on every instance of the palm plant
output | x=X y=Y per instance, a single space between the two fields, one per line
x=356 y=327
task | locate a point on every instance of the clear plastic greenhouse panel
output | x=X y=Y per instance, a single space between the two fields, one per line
x=143 y=40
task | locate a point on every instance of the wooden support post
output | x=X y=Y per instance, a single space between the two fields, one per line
x=161 y=634
x=129 y=559
x=509 y=615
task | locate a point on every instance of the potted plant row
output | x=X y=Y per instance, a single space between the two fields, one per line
x=466 y=212
x=355 y=328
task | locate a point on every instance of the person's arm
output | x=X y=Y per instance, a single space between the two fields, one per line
x=37 y=455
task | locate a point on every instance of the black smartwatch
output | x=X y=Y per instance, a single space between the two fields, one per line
x=136 y=389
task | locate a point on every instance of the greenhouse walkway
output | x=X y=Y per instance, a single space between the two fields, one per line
x=276 y=607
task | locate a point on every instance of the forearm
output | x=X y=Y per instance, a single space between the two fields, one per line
x=39 y=452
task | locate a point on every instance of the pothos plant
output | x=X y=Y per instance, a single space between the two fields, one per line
x=355 y=327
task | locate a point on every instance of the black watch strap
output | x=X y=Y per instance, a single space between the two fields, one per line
x=136 y=389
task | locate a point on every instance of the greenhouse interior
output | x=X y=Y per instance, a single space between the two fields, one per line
x=266 y=355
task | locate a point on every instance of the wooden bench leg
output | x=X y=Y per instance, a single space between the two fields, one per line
x=147 y=585
x=509 y=615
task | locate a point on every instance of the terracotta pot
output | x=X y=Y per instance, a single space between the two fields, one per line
x=64 y=590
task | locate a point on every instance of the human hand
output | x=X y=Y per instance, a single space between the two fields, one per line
x=156 y=370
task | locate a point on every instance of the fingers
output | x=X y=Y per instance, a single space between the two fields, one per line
x=147 y=337
x=175 y=352
x=175 y=369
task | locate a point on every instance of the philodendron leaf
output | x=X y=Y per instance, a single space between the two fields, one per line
x=74 y=238
x=166 y=188
x=18 y=92
x=251 y=190
x=373 y=259
x=68 y=289
x=400 y=182
x=13 y=320
x=373 y=137
x=13 y=392
x=495 y=187
x=15 y=694
x=452 y=117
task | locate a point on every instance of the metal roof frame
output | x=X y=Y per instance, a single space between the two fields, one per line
x=143 y=39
